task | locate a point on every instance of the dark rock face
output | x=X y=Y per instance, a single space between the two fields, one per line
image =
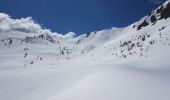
x=39 y=37
x=159 y=10
x=153 y=19
x=165 y=13
x=143 y=24
x=88 y=34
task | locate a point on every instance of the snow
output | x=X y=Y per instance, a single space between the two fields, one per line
x=143 y=79
x=113 y=64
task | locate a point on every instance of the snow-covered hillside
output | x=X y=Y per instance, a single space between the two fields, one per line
x=130 y=63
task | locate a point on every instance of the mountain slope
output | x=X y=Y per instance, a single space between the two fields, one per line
x=129 y=63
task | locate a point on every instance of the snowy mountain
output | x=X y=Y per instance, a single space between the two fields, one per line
x=130 y=63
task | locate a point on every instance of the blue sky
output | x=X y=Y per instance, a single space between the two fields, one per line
x=79 y=16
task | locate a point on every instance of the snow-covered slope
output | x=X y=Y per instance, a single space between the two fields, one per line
x=100 y=37
x=129 y=63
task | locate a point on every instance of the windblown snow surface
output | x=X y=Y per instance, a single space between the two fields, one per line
x=130 y=63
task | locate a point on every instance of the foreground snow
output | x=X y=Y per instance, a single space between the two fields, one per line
x=139 y=79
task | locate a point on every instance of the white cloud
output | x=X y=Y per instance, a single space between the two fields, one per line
x=27 y=25
x=4 y=21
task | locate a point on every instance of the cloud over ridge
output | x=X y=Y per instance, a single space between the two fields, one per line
x=27 y=25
